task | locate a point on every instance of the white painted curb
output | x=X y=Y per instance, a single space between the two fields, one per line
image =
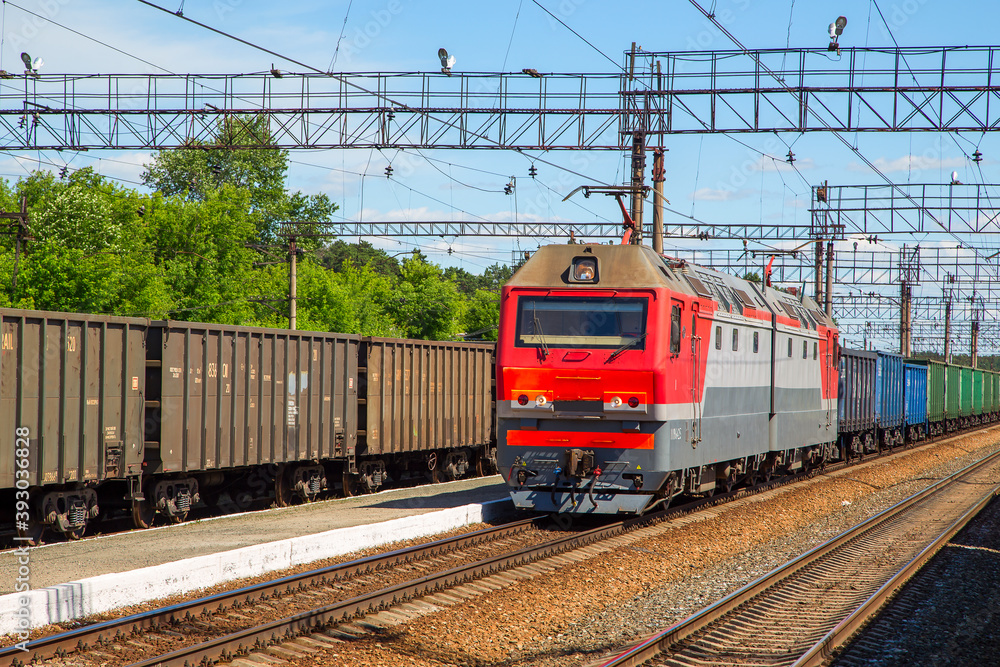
x=95 y=595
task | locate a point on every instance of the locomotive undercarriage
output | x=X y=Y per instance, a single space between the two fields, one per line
x=582 y=481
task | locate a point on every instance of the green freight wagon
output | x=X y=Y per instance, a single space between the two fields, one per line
x=977 y=391
x=987 y=392
x=953 y=395
x=966 y=398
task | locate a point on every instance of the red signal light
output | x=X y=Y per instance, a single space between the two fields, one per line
x=522 y=400
x=633 y=402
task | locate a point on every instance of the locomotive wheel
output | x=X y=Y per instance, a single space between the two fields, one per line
x=33 y=532
x=729 y=482
x=142 y=513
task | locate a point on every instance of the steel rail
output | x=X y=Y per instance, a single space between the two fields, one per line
x=244 y=641
x=241 y=642
x=824 y=649
x=662 y=641
x=81 y=638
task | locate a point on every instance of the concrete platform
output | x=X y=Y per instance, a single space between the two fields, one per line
x=75 y=579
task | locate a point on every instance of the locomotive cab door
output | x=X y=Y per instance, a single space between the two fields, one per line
x=696 y=388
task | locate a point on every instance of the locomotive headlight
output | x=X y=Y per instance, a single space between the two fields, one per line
x=584 y=270
x=616 y=402
x=522 y=399
x=633 y=402
x=541 y=401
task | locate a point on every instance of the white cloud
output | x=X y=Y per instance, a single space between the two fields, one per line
x=910 y=163
x=712 y=194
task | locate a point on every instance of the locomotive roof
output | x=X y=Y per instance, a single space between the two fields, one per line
x=619 y=266
x=631 y=266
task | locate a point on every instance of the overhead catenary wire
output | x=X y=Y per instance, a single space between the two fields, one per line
x=811 y=111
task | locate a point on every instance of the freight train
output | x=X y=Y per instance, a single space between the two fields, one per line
x=100 y=415
x=626 y=378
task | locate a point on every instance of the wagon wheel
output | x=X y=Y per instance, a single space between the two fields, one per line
x=349 y=483
x=435 y=469
x=31 y=533
x=142 y=513
x=480 y=466
x=76 y=533
x=284 y=494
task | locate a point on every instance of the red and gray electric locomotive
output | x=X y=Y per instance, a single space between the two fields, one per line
x=625 y=378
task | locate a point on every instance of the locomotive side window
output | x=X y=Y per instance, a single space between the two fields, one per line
x=815 y=350
x=675 y=329
x=756 y=341
x=575 y=322
x=805 y=349
x=789 y=347
x=718 y=338
x=736 y=339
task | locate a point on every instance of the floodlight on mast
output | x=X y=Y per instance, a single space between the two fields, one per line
x=836 y=30
x=447 y=62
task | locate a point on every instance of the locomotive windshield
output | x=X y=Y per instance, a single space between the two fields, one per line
x=571 y=322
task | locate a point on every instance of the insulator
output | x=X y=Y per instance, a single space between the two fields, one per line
x=388 y=171
x=532 y=171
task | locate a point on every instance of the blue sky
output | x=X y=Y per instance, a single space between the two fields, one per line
x=711 y=177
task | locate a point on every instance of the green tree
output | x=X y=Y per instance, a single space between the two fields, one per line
x=495 y=276
x=466 y=282
x=87 y=250
x=363 y=253
x=426 y=305
x=482 y=316
x=202 y=249
x=194 y=173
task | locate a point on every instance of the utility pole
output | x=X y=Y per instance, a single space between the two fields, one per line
x=974 y=352
x=293 y=232
x=292 y=281
x=818 y=291
x=20 y=231
x=947 y=331
x=977 y=315
x=905 y=319
x=638 y=187
x=658 y=178
x=829 y=278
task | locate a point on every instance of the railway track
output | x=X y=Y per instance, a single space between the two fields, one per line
x=223 y=627
x=802 y=612
x=351 y=586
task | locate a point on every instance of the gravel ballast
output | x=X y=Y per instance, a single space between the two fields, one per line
x=586 y=611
